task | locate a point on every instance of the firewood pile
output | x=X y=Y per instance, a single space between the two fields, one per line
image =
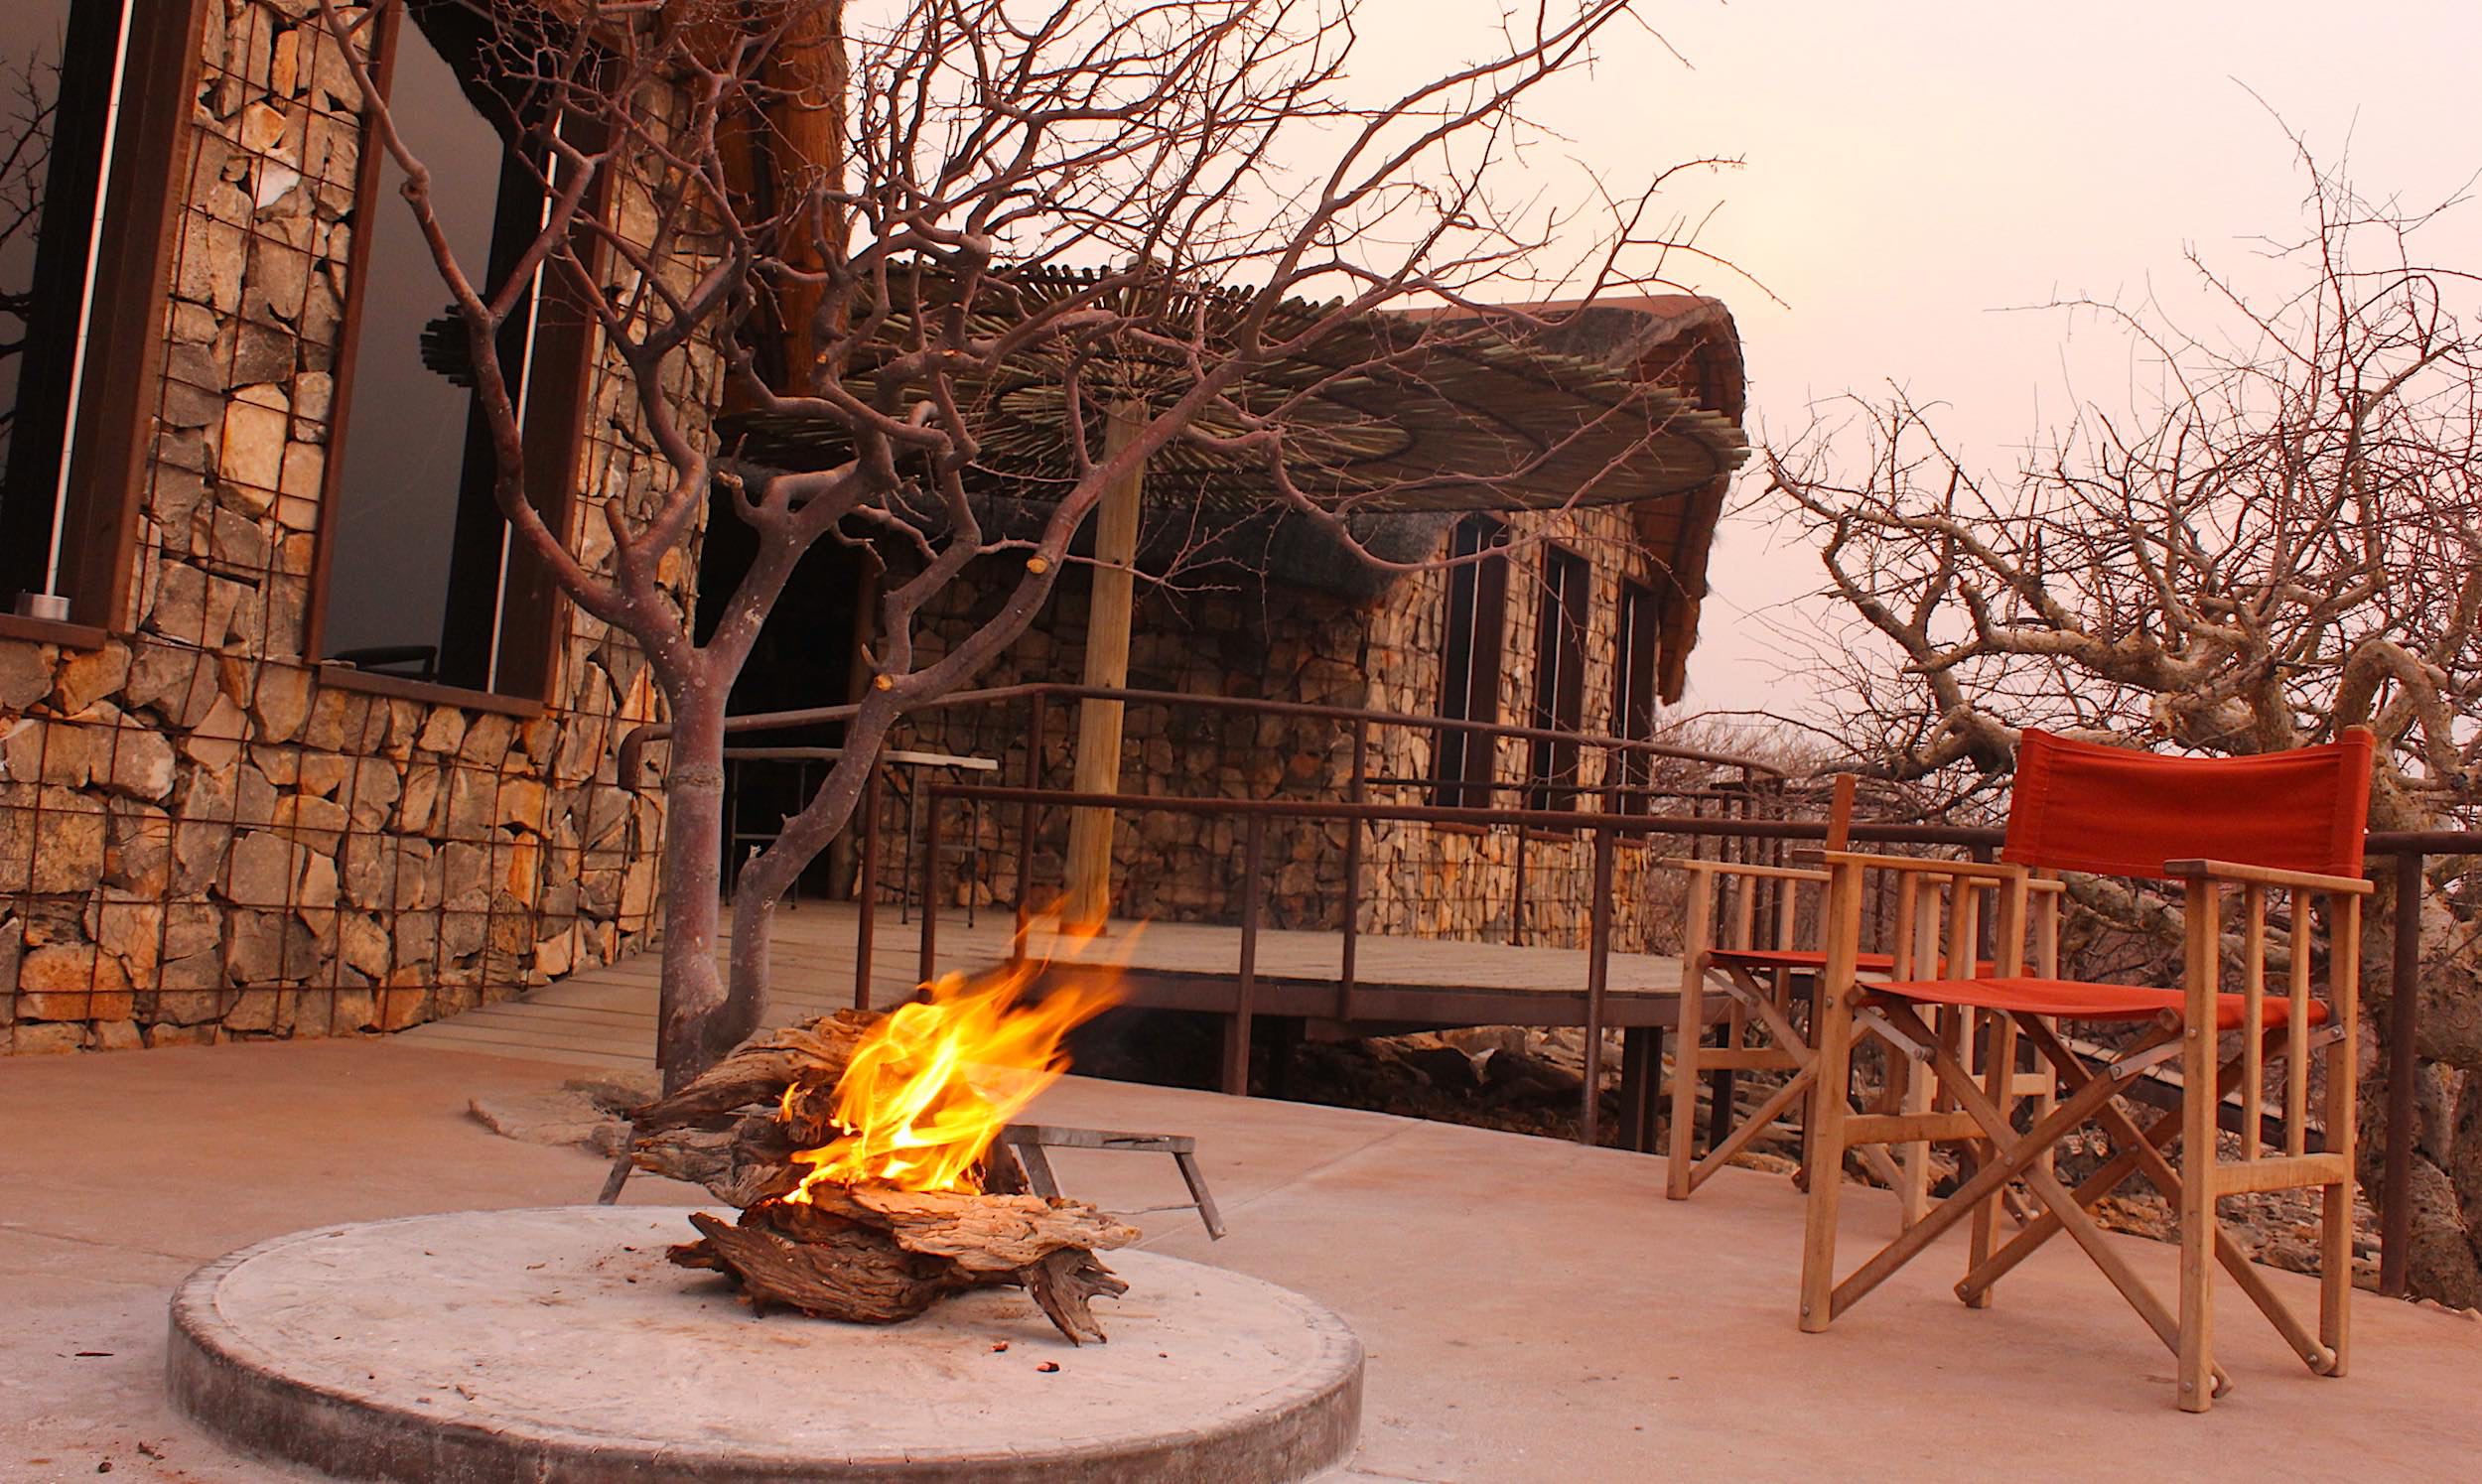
x=752 y=1131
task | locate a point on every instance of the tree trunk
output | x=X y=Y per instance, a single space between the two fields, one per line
x=693 y=1027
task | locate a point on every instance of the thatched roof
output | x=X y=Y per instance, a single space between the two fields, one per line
x=1387 y=413
x=1403 y=419
x=1690 y=344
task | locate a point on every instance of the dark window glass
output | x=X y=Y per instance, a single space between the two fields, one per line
x=1559 y=679
x=1477 y=618
x=57 y=64
x=418 y=566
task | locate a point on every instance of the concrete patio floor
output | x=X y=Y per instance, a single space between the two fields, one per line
x=1532 y=1310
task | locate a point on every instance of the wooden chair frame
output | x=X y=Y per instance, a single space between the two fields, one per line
x=1773 y=985
x=1972 y=1109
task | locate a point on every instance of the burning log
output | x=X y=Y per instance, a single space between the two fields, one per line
x=859 y=1149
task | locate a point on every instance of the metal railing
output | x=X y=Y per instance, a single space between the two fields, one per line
x=1739 y=828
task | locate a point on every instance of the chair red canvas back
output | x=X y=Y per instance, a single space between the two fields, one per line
x=2080 y=806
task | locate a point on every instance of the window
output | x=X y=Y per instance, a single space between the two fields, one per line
x=1559 y=679
x=1638 y=638
x=85 y=187
x=1476 y=617
x=422 y=579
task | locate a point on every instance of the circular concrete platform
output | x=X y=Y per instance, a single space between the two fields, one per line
x=558 y=1344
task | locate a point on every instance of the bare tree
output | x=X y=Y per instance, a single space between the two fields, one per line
x=2284 y=542
x=882 y=215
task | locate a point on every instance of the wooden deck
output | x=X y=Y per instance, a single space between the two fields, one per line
x=605 y=1016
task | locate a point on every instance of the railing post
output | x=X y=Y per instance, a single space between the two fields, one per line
x=1245 y=984
x=1597 y=982
x=1358 y=792
x=865 y=928
x=1516 y=903
x=930 y=885
x=1037 y=711
x=2396 y=1214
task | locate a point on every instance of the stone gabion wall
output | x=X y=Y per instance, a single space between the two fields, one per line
x=1419 y=880
x=1289 y=646
x=203 y=835
x=1444 y=881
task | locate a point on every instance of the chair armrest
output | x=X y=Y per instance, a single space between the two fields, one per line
x=1924 y=866
x=2265 y=875
x=1734 y=868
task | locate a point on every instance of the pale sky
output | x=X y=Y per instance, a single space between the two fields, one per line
x=1911 y=169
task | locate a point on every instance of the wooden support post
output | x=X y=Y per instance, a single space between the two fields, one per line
x=1089 y=897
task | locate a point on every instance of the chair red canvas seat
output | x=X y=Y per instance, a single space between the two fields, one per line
x=2077 y=1000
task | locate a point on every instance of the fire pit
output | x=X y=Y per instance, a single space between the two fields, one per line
x=561 y=1345
x=590 y=1343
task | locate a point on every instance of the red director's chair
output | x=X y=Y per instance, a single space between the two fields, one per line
x=2286 y=824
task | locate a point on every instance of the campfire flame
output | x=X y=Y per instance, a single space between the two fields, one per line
x=932 y=1085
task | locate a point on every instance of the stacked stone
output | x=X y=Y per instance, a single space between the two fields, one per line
x=203 y=835
x=1282 y=645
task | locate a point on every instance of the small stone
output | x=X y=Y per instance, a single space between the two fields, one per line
x=237 y=542
x=216 y=742
x=298 y=487
x=25 y=673
x=312 y=392
x=317 y=823
x=262 y=354
x=72 y=982
x=259 y=872
x=138 y=845
x=133 y=933
x=212 y=256
x=176 y=683
x=141 y=764
x=363 y=943
x=282 y=701
x=38 y=751
x=45 y=1040
x=251 y=447
x=443 y=731
x=91 y=675
x=318 y=883
x=323 y=773
x=521 y=802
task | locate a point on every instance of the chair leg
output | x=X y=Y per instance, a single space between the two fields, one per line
x=2335 y=1273
x=2197 y=1215
x=2000 y=1085
x=1913 y=1159
x=1688 y=1036
x=1828 y=1095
